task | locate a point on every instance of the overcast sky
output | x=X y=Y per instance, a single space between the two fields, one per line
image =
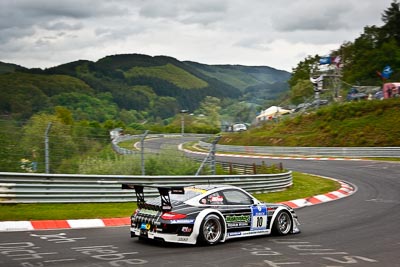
x=275 y=33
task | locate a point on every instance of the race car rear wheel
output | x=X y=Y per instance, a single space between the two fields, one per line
x=283 y=223
x=210 y=230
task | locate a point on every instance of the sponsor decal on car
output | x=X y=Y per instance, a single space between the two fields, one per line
x=254 y=232
x=183 y=221
x=195 y=190
x=237 y=218
x=186 y=229
x=145 y=226
x=235 y=234
x=238 y=224
x=217 y=199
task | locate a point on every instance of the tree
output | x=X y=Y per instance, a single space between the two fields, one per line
x=10 y=150
x=233 y=111
x=303 y=89
x=130 y=116
x=87 y=107
x=65 y=115
x=302 y=70
x=164 y=107
x=391 y=18
x=210 y=108
x=61 y=143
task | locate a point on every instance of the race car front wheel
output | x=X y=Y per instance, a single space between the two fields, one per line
x=283 y=223
x=210 y=230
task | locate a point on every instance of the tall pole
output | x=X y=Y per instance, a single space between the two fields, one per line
x=213 y=150
x=142 y=152
x=46 y=148
x=211 y=156
x=182 y=124
x=183 y=111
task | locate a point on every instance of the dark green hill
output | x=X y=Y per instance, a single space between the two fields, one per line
x=257 y=83
x=164 y=76
x=8 y=68
x=240 y=76
x=216 y=80
x=23 y=94
x=159 y=86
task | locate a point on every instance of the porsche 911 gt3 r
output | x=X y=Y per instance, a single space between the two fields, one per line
x=207 y=214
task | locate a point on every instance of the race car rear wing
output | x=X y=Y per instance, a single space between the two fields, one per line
x=162 y=190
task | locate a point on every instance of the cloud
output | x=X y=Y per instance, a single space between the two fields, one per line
x=312 y=16
x=45 y=33
x=61 y=25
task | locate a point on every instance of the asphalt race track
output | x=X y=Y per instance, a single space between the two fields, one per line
x=359 y=230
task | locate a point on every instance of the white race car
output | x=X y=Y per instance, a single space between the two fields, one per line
x=207 y=214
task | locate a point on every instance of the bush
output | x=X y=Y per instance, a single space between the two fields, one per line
x=165 y=163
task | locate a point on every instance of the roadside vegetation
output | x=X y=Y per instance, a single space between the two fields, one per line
x=363 y=123
x=304 y=185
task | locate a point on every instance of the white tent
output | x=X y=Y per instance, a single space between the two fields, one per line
x=272 y=112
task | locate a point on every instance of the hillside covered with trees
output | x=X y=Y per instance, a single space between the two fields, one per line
x=131 y=87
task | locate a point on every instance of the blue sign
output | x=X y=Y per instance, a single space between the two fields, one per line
x=325 y=60
x=387 y=71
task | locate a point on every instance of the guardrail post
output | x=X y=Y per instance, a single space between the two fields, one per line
x=254 y=168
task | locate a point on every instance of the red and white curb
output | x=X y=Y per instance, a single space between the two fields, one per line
x=344 y=191
x=10 y=226
x=62 y=224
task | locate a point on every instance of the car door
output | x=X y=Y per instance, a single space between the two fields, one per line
x=241 y=213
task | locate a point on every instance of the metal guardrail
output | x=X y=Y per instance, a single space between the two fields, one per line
x=69 y=188
x=310 y=151
x=121 y=150
x=128 y=137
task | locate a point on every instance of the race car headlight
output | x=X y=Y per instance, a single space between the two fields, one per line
x=172 y=216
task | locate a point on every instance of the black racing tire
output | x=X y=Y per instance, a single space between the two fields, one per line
x=283 y=223
x=210 y=230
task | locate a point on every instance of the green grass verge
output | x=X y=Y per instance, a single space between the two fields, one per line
x=303 y=186
x=50 y=211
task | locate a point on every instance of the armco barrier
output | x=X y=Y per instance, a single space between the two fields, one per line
x=70 y=188
x=358 y=152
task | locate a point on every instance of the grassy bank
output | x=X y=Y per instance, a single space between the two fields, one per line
x=351 y=124
x=304 y=186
